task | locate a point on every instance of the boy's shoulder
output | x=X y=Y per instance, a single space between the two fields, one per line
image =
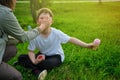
x=55 y=30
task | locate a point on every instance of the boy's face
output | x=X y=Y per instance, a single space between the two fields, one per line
x=44 y=18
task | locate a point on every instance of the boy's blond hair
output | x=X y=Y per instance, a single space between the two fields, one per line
x=44 y=10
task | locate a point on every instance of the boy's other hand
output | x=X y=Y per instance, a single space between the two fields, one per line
x=40 y=58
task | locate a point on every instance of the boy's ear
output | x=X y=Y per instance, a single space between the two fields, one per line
x=51 y=20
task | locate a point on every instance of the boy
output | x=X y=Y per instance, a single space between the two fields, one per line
x=48 y=43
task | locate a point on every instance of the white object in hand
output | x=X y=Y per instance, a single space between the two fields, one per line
x=96 y=43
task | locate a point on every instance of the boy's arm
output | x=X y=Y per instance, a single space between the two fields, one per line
x=31 y=55
x=80 y=43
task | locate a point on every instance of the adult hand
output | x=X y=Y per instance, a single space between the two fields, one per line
x=45 y=23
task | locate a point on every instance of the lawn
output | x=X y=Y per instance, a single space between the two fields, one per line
x=85 y=21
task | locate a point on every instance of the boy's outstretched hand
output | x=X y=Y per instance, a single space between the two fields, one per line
x=94 y=45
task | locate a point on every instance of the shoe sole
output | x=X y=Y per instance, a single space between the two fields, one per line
x=42 y=75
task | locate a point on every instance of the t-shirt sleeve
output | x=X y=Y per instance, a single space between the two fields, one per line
x=64 y=38
x=31 y=45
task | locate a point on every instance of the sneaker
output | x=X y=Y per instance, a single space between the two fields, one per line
x=42 y=75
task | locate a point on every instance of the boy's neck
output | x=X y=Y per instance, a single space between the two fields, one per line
x=46 y=32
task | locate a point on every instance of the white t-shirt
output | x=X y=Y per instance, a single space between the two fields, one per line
x=50 y=45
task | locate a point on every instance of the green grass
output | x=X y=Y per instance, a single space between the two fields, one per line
x=86 y=21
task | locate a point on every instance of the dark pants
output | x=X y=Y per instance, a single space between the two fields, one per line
x=49 y=63
x=7 y=72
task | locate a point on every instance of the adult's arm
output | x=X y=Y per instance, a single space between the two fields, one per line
x=12 y=27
